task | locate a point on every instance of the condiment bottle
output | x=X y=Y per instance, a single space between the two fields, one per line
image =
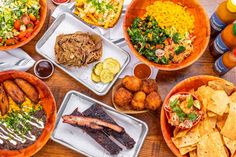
x=226 y=62
x=225 y=41
x=224 y=15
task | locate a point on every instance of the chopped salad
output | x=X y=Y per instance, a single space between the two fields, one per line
x=18 y=19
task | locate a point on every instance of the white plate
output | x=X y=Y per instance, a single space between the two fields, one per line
x=78 y=140
x=67 y=23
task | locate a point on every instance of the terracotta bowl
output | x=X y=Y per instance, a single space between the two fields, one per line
x=184 y=86
x=202 y=31
x=49 y=105
x=43 y=14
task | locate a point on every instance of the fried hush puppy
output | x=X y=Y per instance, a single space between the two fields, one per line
x=132 y=83
x=138 y=102
x=123 y=97
x=149 y=86
x=153 y=101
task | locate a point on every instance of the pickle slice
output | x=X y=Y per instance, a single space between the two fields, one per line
x=95 y=77
x=112 y=65
x=98 y=68
x=106 y=76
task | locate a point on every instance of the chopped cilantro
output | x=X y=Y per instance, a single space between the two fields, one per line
x=179 y=50
x=176 y=38
x=190 y=101
x=174 y=103
x=192 y=116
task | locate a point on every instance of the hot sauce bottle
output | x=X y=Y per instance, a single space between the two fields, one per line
x=224 y=15
x=225 y=41
x=226 y=62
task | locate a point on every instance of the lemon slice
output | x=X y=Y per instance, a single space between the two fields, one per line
x=98 y=68
x=112 y=65
x=95 y=77
x=106 y=76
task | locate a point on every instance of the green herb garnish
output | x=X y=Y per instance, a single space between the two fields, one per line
x=192 y=116
x=190 y=101
x=176 y=38
x=179 y=50
x=234 y=29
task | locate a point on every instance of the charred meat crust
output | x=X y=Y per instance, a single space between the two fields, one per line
x=4 y=104
x=100 y=137
x=14 y=92
x=28 y=89
x=96 y=111
x=93 y=123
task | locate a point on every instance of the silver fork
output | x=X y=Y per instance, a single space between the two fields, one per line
x=22 y=62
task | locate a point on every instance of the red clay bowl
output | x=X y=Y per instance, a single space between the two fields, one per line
x=167 y=109
x=43 y=14
x=202 y=31
x=184 y=86
x=49 y=105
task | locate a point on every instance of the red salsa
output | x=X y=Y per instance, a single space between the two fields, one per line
x=142 y=71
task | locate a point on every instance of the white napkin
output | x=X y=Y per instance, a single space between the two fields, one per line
x=114 y=34
x=10 y=58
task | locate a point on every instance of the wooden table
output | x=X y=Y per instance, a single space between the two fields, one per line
x=154 y=145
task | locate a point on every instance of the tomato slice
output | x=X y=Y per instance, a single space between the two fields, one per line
x=10 y=42
x=17 y=24
x=32 y=17
x=25 y=19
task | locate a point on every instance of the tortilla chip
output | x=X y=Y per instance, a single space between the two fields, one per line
x=228 y=87
x=233 y=97
x=190 y=139
x=182 y=133
x=193 y=153
x=221 y=121
x=211 y=114
x=175 y=132
x=219 y=103
x=204 y=93
x=187 y=149
x=206 y=126
x=211 y=145
x=230 y=144
x=229 y=129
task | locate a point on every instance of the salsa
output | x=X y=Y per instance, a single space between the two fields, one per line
x=18 y=18
x=184 y=110
x=142 y=71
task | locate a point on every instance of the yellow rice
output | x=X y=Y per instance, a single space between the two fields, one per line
x=171 y=16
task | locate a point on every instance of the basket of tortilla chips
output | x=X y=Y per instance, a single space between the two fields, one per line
x=215 y=134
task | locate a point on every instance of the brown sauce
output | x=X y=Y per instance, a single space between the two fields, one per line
x=142 y=71
x=44 y=69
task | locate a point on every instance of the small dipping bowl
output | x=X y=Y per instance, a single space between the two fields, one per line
x=58 y=2
x=142 y=71
x=43 y=69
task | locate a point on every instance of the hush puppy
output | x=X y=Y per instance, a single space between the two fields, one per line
x=153 y=101
x=138 y=102
x=123 y=97
x=149 y=86
x=132 y=83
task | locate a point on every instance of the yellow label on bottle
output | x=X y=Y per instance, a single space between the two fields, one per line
x=231 y=5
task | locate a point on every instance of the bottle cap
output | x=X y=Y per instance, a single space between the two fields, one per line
x=231 y=5
x=234 y=51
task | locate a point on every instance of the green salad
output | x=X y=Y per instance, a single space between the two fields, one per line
x=159 y=45
x=18 y=18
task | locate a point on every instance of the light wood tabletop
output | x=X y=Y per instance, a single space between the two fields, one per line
x=60 y=83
